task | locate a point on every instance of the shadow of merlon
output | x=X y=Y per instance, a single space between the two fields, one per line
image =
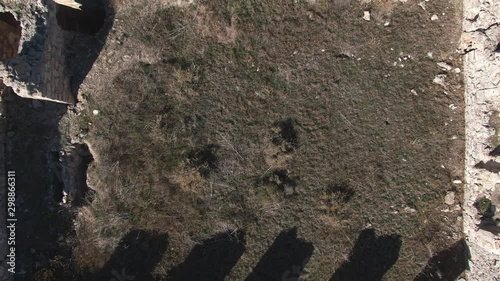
x=135 y=257
x=370 y=258
x=212 y=259
x=446 y=265
x=284 y=260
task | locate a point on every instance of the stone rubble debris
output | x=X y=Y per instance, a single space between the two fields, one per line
x=439 y=79
x=449 y=199
x=422 y=5
x=366 y=15
x=445 y=66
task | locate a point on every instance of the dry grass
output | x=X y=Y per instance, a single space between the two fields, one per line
x=190 y=143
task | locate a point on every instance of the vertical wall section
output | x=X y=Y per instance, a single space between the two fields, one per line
x=480 y=41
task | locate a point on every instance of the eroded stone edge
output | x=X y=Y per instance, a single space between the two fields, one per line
x=481 y=34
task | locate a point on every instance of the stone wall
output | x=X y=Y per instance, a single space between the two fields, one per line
x=480 y=39
x=39 y=69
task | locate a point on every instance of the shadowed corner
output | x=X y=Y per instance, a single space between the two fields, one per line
x=496 y=150
x=284 y=260
x=370 y=258
x=446 y=265
x=212 y=259
x=90 y=27
x=10 y=35
x=135 y=257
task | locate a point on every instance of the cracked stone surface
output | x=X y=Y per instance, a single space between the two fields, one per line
x=481 y=25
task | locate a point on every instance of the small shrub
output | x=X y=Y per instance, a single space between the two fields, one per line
x=287 y=136
x=204 y=159
x=341 y=192
x=282 y=180
x=484 y=206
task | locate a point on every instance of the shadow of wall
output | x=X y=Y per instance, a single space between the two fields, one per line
x=33 y=131
x=85 y=35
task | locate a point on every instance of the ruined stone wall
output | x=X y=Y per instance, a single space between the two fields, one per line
x=55 y=79
x=38 y=70
x=480 y=41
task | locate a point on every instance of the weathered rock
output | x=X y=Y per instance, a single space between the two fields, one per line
x=449 y=199
x=366 y=15
x=444 y=66
x=440 y=79
x=409 y=210
x=422 y=5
